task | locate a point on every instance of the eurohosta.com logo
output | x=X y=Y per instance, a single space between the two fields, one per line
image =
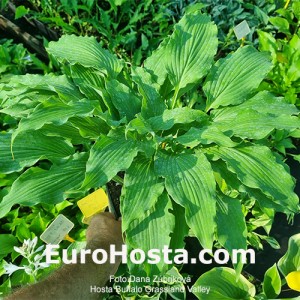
x=153 y=256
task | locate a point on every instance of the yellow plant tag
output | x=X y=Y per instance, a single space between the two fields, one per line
x=293 y=280
x=57 y=230
x=93 y=203
x=241 y=30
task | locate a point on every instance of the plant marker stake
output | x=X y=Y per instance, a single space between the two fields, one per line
x=241 y=30
x=57 y=230
x=68 y=238
x=94 y=203
x=287 y=4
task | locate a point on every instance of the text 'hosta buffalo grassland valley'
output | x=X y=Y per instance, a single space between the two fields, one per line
x=188 y=132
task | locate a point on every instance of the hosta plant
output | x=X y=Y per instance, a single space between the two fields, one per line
x=273 y=285
x=183 y=134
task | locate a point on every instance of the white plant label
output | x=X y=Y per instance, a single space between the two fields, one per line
x=57 y=230
x=241 y=30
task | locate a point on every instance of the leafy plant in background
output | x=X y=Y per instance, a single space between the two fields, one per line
x=227 y=14
x=184 y=167
x=283 y=43
x=22 y=224
x=16 y=60
x=134 y=29
x=225 y=284
x=129 y=28
x=33 y=258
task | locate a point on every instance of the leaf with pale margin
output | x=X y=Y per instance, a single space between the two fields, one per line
x=272 y=283
x=108 y=156
x=45 y=186
x=256 y=167
x=30 y=147
x=224 y=285
x=151 y=231
x=291 y=260
x=190 y=182
x=87 y=52
x=233 y=79
x=140 y=191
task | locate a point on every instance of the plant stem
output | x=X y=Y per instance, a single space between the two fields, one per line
x=118 y=179
x=174 y=99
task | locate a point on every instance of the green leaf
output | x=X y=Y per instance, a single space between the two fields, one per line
x=53 y=112
x=265 y=201
x=44 y=84
x=267 y=43
x=67 y=131
x=151 y=231
x=251 y=124
x=92 y=84
x=281 y=24
x=263 y=102
x=190 y=182
x=21 y=11
x=45 y=186
x=296 y=9
x=291 y=260
x=257 y=117
x=108 y=156
x=264 y=110
x=224 y=284
x=155 y=63
x=7 y=241
x=272 y=283
x=90 y=127
x=124 y=99
x=233 y=79
x=231 y=224
x=140 y=191
x=30 y=147
x=153 y=104
x=182 y=115
x=205 y=135
x=140 y=125
x=190 y=51
x=89 y=81
x=87 y=52
x=181 y=229
x=256 y=167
